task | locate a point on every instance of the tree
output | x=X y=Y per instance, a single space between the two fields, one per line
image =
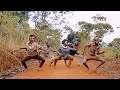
x=51 y=18
x=81 y=37
x=100 y=27
x=104 y=45
x=1 y=16
x=115 y=43
x=12 y=36
x=115 y=46
x=24 y=15
x=85 y=27
x=71 y=36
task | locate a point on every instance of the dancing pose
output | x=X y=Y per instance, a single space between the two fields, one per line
x=91 y=52
x=75 y=44
x=63 y=53
x=32 y=49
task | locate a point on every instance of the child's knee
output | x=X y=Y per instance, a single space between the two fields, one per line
x=43 y=60
x=103 y=61
x=71 y=59
x=23 y=61
x=84 y=60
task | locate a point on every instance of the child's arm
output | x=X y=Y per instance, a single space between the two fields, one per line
x=101 y=52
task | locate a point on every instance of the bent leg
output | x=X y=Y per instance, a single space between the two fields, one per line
x=80 y=59
x=41 y=60
x=102 y=62
x=56 y=59
x=85 y=59
x=24 y=60
x=65 y=62
x=97 y=58
x=52 y=59
x=70 y=58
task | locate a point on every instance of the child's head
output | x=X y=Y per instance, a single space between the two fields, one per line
x=32 y=38
x=65 y=42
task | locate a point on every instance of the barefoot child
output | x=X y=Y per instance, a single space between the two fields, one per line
x=32 y=50
x=91 y=52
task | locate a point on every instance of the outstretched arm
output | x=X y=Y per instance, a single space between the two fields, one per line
x=73 y=49
x=52 y=50
x=59 y=52
x=24 y=48
x=102 y=52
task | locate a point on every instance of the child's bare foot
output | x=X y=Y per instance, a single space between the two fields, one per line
x=39 y=69
x=79 y=65
x=25 y=70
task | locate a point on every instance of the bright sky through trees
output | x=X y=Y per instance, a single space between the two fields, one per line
x=113 y=18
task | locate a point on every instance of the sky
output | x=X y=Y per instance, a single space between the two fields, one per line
x=113 y=18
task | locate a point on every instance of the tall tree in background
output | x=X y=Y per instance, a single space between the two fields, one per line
x=100 y=27
x=115 y=46
x=85 y=27
x=24 y=15
x=14 y=32
x=51 y=18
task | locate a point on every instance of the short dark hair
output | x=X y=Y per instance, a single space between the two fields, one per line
x=63 y=41
x=32 y=35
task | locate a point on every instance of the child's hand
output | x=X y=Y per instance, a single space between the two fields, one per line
x=39 y=46
x=78 y=49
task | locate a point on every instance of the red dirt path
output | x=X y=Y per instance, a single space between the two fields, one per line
x=60 y=72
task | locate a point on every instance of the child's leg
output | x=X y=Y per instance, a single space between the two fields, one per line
x=69 y=58
x=41 y=60
x=52 y=60
x=65 y=62
x=56 y=59
x=24 y=60
x=80 y=59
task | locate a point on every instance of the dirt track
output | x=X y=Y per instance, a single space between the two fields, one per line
x=60 y=72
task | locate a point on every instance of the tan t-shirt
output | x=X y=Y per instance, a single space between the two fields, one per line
x=32 y=49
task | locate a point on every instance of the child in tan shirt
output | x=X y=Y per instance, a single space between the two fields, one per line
x=32 y=49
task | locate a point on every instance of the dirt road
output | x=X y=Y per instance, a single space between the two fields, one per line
x=60 y=72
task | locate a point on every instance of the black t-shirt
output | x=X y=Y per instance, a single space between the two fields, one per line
x=73 y=52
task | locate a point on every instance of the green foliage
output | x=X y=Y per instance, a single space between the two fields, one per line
x=24 y=15
x=100 y=28
x=111 y=52
x=99 y=18
x=49 y=35
x=15 y=34
x=85 y=27
x=115 y=47
x=115 y=43
x=84 y=38
x=72 y=36
x=50 y=18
